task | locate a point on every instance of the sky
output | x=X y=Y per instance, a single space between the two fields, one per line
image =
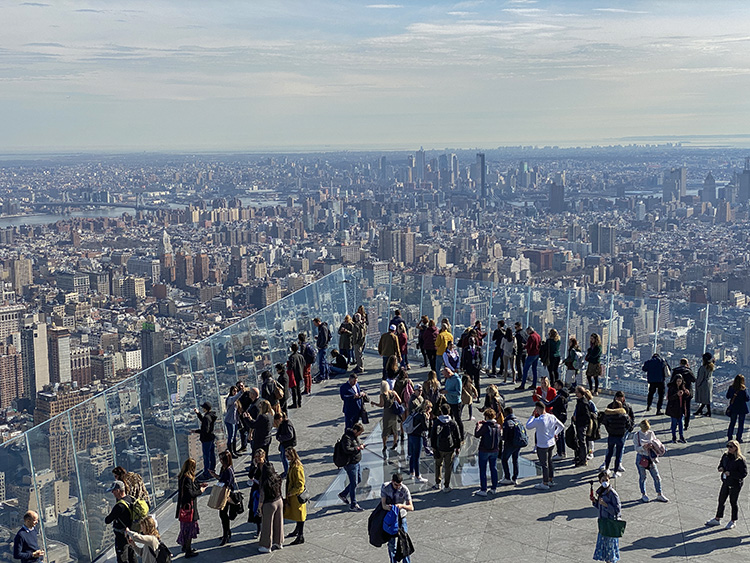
x=185 y=75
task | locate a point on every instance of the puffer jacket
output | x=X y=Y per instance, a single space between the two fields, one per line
x=616 y=421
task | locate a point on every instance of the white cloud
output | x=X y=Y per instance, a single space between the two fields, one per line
x=383 y=6
x=619 y=11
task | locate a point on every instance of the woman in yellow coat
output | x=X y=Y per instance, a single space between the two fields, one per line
x=295 y=483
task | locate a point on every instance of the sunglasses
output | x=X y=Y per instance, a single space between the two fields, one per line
x=731 y=447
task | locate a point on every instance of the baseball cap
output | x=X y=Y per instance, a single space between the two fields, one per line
x=117 y=485
x=392 y=327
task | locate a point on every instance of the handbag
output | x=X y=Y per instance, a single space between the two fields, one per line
x=304 y=496
x=645 y=462
x=363 y=416
x=185 y=514
x=219 y=497
x=729 y=407
x=610 y=528
x=236 y=504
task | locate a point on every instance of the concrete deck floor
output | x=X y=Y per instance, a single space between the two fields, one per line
x=518 y=524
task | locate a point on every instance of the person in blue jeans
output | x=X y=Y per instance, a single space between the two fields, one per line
x=737 y=410
x=510 y=449
x=396 y=494
x=489 y=433
x=421 y=425
x=339 y=363
x=207 y=438
x=352 y=447
x=533 y=347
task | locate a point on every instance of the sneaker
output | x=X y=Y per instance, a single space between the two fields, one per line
x=645 y=498
x=682 y=440
x=557 y=457
x=729 y=525
x=590 y=455
x=447 y=489
x=520 y=388
x=493 y=491
x=648 y=408
x=713 y=522
x=674 y=440
x=551 y=483
x=658 y=412
x=342 y=497
x=661 y=498
x=437 y=486
x=506 y=482
x=515 y=482
x=481 y=493
x=473 y=418
x=620 y=469
x=602 y=467
x=356 y=508
x=276 y=546
x=541 y=487
x=263 y=549
x=420 y=479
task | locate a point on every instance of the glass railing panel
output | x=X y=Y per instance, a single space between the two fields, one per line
x=206 y=388
x=728 y=339
x=260 y=348
x=56 y=486
x=302 y=314
x=159 y=431
x=548 y=308
x=438 y=298
x=275 y=324
x=590 y=313
x=373 y=288
x=223 y=359
x=242 y=348
x=94 y=455
x=184 y=402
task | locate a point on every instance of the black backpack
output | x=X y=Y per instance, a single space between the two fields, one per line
x=162 y=554
x=340 y=459
x=309 y=354
x=544 y=352
x=444 y=437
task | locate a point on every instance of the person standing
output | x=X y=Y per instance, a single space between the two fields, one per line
x=262 y=426
x=391 y=420
x=388 y=346
x=547 y=428
x=187 y=507
x=296 y=365
x=396 y=494
x=282 y=379
x=421 y=326
x=451 y=357
x=429 y=340
x=310 y=355
x=594 y=367
x=688 y=378
x=271 y=507
x=511 y=448
x=441 y=343
x=226 y=477
x=207 y=439
x=655 y=369
x=121 y=519
x=533 y=346
x=581 y=421
x=149 y=539
x=397 y=319
x=359 y=337
x=468 y=396
x=704 y=385
x=677 y=406
x=453 y=389
x=489 y=433
x=26 y=543
x=295 y=510
x=617 y=423
x=268 y=389
x=445 y=441
x=737 y=409
x=733 y=469
x=573 y=362
x=352 y=396
x=509 y=356
x=321 y=343
x=473 y=362
x=346 y=330
x=643 y=442
x=607 y=501
x=352 y=448
x=553 y=355
x=558 y=407
x=497 y=354
x=134 y=485
x=520 y=336
x=403 y=345
x=231 y=419
x=421 y=425
x=286 y=436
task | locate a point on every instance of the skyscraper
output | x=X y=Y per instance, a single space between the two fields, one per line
x=420 y=166
x=11 y=376
x=152 y=345
x=35 y=362
x=59 y=354
x=556 y=198
x=743 y=182
x=482 y=177
x=602 y=238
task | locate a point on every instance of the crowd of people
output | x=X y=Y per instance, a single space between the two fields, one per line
x=430 y=417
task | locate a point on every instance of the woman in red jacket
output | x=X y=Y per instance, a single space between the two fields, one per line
x=545 y=393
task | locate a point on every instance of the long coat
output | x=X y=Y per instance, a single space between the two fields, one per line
x=295 y=484
x=704 y=386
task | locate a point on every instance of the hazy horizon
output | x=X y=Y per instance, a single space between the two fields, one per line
x=189 y=76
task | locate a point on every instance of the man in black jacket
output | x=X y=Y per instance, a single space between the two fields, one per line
x=520 y=336
x=445 y=440
x=497 y=338
x=120 y=518
x=207 y=437
x=617 y=423
x=684 y=371
x=321 y=342
x=352 y=448
x=296 y=364
x=26 y=542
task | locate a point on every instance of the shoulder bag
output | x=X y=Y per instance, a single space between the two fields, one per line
x=610 y=528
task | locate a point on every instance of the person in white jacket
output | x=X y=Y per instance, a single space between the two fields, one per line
x=642 y=441
x=546 y=426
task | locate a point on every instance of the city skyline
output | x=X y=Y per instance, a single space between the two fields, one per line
x=262 y=77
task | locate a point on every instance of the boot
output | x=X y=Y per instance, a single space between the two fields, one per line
x=224 y=539
x=708 y=410
x=299 y=540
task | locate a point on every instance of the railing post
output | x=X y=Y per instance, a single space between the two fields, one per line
x=145 y=441
x=656 y=326
x=489 y=329
x=528 y=308
x=705 y=329
x=455 y=298
x=36 y=494
x=609 y=340
x=421 y=299
x=81 y=499
x=567 y=323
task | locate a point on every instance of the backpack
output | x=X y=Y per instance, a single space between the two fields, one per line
x=162 y=554
x=577 y=360
x=444 y=437
x=340 y=459
x=544 y=352
x=520 y=438
x=309 y=354
x=278 y=390
x=397 y=408
x=390 y=522
x=409 y=423
x=138 y=511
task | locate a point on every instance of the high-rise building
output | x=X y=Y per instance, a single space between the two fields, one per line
x=708 y=193
x=80 y=365
x=602 y=238
x=35 y=360
x=134 y=288
x=556 y=198
x=152 y=345
x=200 y=267
x=482 y=180
x=10 y=319
x=420 y=166
x=675 y=184
x=743 y=183
x=21 y=274
x=59 y=354
x=145 y=266
x=11 y=376
x=184 y=269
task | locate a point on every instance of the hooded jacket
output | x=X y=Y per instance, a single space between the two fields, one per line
x=616 y=421
x=655 y=369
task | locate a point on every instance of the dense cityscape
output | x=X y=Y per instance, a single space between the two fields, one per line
x=112 y=264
